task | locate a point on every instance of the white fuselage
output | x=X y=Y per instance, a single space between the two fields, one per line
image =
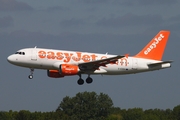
x=50 y=59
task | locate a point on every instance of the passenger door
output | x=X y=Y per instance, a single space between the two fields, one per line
x=34 y=54
x=135 y=63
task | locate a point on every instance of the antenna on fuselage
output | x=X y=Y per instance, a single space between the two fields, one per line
x=35 y=47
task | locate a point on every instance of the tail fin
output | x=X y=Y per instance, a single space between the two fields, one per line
x=155 y=48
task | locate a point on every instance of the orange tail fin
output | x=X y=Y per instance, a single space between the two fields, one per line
x=155 y=48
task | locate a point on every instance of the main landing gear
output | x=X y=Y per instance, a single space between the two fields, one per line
x=31 y=75
x=81 y=81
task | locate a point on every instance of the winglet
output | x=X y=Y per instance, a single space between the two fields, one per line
x=155 y=48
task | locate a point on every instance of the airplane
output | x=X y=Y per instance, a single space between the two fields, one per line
x=61 y=63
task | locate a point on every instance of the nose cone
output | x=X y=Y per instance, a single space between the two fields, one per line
x=11 y=59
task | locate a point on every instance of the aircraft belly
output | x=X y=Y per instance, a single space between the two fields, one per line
x=118 y=70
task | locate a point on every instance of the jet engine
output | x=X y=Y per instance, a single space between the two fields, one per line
x=64 y=70
x=54 y=74
x=67 y=69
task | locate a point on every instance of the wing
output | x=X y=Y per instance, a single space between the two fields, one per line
x=93 y=65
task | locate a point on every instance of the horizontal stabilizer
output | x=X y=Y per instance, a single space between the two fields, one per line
x=160 y=63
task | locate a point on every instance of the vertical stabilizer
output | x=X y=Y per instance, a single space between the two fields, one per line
x=155 y=48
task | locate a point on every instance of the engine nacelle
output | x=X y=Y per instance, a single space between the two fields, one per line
x=67 y=69
x=54 y=74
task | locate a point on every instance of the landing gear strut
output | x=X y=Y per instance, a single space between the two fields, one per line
x=31 y=75
x=81 y=81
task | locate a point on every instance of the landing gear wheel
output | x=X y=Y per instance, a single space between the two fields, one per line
x=30 y=76
x=80 y=81
x=89 y=80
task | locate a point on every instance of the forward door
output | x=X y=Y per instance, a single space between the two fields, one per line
x=34 y=54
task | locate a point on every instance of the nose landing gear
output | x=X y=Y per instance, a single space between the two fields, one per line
x=31 y=75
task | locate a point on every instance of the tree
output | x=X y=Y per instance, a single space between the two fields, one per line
x=133 y=114
x=5 y=116
x=23 y=115
x=176 y=112
x=86 y=106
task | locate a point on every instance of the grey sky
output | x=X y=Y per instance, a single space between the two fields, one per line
x=114 y=26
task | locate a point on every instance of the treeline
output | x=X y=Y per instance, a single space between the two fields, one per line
x=90 y=106
x=116 y=114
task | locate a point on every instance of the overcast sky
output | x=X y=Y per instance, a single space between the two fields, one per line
x=113 y=26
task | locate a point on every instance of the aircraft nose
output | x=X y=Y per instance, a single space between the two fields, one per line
x=10 y=58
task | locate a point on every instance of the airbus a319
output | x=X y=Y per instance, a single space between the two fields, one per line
x=61 y=63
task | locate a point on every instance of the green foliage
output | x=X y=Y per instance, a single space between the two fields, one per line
x=114 y=117
x=5 y=116
x=158 y=114
x=139 y=114
x=133 y=114
x=176 y=112
x=90 y=106
x=23 y=115
x=86 y=105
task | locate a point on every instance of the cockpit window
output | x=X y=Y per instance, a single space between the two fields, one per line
x=20 y=53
